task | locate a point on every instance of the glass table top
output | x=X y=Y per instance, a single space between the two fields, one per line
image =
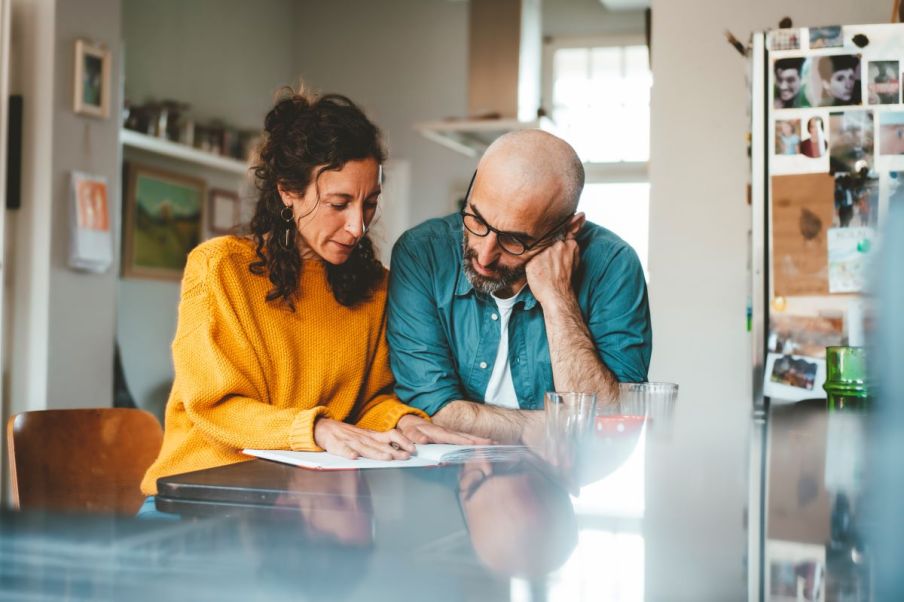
x=694 y=506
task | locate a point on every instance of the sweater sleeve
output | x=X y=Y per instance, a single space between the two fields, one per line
x=381 y=409
x=217 y=375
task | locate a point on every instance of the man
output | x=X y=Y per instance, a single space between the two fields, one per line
x=515 y=296
x=788 y=93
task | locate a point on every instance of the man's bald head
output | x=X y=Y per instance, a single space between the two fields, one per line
x=524 y=195
x=535 y=159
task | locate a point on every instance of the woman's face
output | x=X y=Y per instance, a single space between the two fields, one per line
x=841 y=84
x=336 y=209
x=813 y=127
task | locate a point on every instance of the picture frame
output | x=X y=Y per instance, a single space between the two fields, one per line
x=164 y=222
x=224 y=210
x=91 y=89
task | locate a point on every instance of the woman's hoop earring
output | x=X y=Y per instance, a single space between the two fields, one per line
x=282 y=214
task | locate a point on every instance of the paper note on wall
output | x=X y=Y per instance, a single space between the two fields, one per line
x=90 y=238
x=849 y=254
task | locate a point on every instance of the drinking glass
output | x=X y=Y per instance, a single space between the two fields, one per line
x=652 y=400
x=569 y=419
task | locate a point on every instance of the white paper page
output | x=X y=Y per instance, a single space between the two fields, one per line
x=442 y=452
x=325 y=461
x=426 y=455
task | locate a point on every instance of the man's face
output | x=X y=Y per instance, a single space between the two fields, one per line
x=504 y=204
x=503 y=270
x=788 y=83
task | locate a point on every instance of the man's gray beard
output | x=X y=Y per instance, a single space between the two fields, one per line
x=489 y=286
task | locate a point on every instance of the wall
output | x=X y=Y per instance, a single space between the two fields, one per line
x=147 y=309
x=59 y=352
x=82 y=306
x=223 y=57
x=698 y=236
x=405 y=61
x=27 y=246
x=574 y=18
x=226 y=58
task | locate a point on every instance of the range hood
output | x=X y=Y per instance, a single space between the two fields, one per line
x=504 y=62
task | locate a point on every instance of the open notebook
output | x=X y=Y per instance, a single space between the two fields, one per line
x=427 y=455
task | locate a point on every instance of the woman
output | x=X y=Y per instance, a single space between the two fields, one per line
x=840 y=80
x=281 y=337
x=814 y=146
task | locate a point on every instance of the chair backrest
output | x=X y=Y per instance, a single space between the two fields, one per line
x=88 y=460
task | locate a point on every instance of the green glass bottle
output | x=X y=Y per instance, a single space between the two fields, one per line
x=846 y=378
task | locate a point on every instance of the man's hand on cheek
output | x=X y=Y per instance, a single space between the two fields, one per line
x=549 y=272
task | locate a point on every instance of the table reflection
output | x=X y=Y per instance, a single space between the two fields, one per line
x=814 y=549
x=520 y=520
x=341 y=510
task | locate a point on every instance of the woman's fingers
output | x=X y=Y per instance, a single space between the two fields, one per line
x=368 y=450
x=343 y=449
x=379 y=446
x=396 y=436
x=378 y=450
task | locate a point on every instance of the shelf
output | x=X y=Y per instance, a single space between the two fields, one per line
x=471 y=137
x=137 y=140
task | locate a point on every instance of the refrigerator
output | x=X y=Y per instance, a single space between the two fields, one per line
x=827 y=161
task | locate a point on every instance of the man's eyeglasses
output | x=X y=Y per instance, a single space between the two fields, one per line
x=511 y=243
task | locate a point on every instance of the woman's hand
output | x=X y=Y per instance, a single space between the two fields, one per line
x=417 y=429
x=352 y=442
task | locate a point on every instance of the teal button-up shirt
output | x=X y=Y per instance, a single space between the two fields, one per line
x=443 y=337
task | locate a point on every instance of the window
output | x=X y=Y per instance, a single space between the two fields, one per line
x=623 y=208
x=600 y=103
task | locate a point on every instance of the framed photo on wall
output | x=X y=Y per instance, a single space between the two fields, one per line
x=91 y=95
x=164 y=217
x=224 y=211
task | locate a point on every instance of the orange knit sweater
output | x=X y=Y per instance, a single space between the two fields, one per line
x=252 y=374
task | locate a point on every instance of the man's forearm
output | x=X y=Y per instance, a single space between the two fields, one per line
x=502 y=425
x=576 y=364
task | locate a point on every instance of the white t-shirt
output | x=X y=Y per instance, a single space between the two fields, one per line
x=501 y=390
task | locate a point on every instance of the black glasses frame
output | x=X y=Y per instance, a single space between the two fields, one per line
x=525 y=245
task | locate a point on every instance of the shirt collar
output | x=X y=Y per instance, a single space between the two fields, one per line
x=464 y=287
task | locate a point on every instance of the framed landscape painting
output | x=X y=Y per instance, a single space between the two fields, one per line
x=163 y=222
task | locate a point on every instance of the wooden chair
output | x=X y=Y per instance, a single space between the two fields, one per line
x=88 y=460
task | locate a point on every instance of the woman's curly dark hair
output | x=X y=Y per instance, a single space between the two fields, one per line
x=304 y=132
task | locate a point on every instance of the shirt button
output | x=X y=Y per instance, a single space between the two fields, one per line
x=495 y=316
x=483 y=365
